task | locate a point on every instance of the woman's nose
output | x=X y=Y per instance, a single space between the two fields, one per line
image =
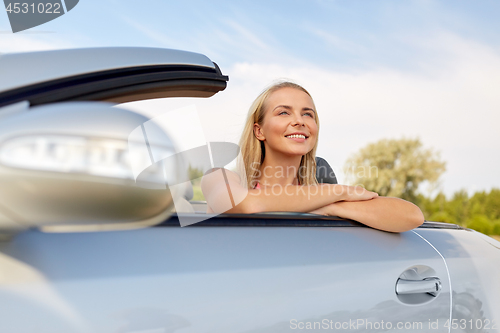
x=297 y=120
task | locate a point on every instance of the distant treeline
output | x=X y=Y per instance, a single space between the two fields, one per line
x=480 y=211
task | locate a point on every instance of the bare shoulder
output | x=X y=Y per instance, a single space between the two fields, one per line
x=216 y=177
x=222 y=190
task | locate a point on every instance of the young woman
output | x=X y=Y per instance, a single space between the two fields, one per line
x=277 y=170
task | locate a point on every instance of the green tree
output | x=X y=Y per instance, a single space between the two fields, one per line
x=481 y=211
x=480 y=222
x=195 y=175
x=394 y=167
x=492 y=204
x=459 y=207
x=435 y=209
x=496 y=227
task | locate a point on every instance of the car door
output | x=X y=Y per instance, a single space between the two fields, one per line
x=228 y=274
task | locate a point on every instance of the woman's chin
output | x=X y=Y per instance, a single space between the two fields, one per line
x=291 y=151
x=298 y=153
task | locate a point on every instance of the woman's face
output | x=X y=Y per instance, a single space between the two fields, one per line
x=289 y=125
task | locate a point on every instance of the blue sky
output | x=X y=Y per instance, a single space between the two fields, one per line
x=376 y=69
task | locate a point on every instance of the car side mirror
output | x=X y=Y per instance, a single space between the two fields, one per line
x=70 y=167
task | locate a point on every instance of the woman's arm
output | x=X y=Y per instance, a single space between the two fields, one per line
x=384 y=213
x=224 y=193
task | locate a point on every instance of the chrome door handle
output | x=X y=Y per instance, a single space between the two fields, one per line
x=430 y=285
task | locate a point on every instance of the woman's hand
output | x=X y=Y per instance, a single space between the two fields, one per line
x=355 y=193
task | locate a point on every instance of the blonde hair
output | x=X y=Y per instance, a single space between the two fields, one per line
x=253 y=151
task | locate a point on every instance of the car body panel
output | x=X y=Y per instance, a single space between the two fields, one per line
x=25 y=69
x=224 y=279
x=115 y=75
x=474 y=266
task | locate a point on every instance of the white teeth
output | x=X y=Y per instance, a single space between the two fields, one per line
x=299 y=136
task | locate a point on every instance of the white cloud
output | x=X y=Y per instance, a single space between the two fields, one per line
x=24 y=42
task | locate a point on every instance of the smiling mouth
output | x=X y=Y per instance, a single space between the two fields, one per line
x=296 y=136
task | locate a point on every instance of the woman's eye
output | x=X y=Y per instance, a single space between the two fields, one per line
x=283 y=112
x=309 y=114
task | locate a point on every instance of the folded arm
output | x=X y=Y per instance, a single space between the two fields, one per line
x=384 y=213
x=224 y=193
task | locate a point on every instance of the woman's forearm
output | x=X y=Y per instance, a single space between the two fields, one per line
x=384 y=213
x=292 y=198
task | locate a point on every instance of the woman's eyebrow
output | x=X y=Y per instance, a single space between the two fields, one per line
x=308 y=109
x=283 y=106
x=289 y=108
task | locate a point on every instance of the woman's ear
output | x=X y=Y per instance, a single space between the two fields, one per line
x=257 y=130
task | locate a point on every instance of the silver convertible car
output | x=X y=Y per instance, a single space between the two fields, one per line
x=99 y=232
